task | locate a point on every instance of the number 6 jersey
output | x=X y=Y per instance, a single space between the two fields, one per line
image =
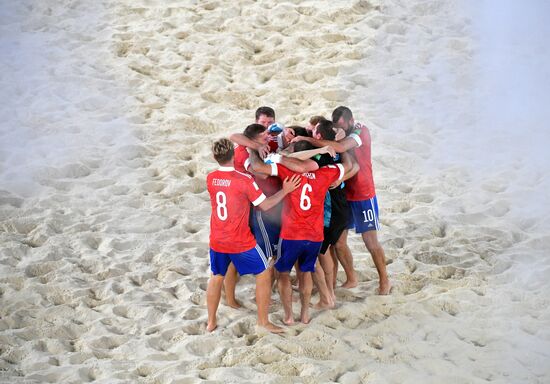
x=231 y=193
x=303 y=208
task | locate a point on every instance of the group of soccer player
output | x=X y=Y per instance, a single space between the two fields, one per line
x=307 y=187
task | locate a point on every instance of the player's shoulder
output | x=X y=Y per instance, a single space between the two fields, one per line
x=240 y=149
x=360 y=129
x=242 y=176
x=329 y=167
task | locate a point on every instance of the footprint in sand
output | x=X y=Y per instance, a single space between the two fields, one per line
x=449 y=307
x=88 y=374
x=152 y=187
x=194 y=328
x=243 y=327
x=108 y=342
x=39 y=269
x=423 y=198
x=193 y=313
x=123 y=311
x=447 y=272
x=144 y=370
x=434 y=257
x=203 y=347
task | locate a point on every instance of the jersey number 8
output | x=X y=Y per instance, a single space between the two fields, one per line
x=221 y=208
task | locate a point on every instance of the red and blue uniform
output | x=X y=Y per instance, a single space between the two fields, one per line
x=231 y=193
x=302 y=227
x=360 y=190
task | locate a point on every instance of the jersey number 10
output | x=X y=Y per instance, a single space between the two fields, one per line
x=369 y=215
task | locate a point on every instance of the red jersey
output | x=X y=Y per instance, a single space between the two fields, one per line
x=240 y=159
x=231 y=193
x=275 y=143
x=303 y=208
x=361 y=186
x=269 y=185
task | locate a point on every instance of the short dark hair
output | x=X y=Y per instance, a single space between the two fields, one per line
x=223 y=151
x=303 y=146
x=325 y=128
x=253 y=130
x=268 y=111
x=314 y=120
x=299 y=131
x=341 y=111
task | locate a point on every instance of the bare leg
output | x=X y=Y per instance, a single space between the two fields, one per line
x=285 y=291
x=305 y=296
x=319 y=278
x=334 y=266
x=328 y=266
x=230 y=282
x=370 y=239
x=298 y=274
x=213 y=295
x=274 y=277
x=346 y=259
x=263 y=298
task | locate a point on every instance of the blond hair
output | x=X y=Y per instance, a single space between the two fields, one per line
x=223 y=151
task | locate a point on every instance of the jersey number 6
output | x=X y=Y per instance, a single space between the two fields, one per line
x=305 y=201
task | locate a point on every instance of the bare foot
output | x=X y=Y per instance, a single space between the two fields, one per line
x=288 y=320
x=233 y=304
x=350 y=284
x=272 y=328
x=211 y=326
x=304 y=318
x=322 y=305
x=384 y=288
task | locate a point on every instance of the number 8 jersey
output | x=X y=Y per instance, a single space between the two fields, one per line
x=231 y=193
x=303 y=208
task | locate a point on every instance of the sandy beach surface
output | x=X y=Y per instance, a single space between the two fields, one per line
x=107 y=112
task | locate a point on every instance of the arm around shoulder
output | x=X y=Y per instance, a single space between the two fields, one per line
x=289 y=185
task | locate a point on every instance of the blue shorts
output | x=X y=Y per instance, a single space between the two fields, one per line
x=304 y=251
x=252 y=261
x=364 y=215
x=266 y=232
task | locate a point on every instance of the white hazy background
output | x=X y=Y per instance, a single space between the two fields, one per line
x=106 y=111
x=513 y=97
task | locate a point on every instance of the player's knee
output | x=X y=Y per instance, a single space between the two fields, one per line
x=284 y=277
x=373 y=246
x=340 y=246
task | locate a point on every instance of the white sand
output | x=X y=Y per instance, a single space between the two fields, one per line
x=107 y=112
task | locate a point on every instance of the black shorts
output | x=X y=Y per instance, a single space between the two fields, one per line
x=339 y=218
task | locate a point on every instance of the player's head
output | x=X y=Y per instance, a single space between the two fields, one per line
x=265 y=116
x=313 y=121
x=223 y=151
x=343 y=118
x=257 y=133
x=293 y=131
x=299 y=131
x=324 y=130
x=303 y=146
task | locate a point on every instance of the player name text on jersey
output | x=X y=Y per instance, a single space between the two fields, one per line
x=221 y=182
